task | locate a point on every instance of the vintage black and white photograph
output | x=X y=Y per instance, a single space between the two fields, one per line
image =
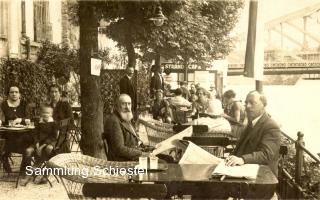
x=159 y=99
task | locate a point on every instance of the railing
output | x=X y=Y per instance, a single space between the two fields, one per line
x=272 y=65
x=299 y=185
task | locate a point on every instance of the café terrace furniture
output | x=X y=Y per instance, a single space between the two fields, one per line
x=157 y=131
x=73 y=182
x=75 y=132
x=11 y=134
x=214 y=145
x=196 y=180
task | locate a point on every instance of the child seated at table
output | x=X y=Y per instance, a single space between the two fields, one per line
x=46 y=134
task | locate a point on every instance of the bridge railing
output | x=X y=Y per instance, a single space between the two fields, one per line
x=279 y=65
x=299 y=171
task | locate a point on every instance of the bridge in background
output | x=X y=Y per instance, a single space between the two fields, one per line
x=292 y=45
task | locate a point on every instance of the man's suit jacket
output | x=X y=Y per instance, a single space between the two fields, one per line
x=122 y=141
x=127 y=87
x=261 y=144
x=157 y=83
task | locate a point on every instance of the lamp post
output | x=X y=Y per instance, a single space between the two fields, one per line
x=158 y=19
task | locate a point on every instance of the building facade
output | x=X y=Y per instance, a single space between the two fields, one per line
x=25 y=23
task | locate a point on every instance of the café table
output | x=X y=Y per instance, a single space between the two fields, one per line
x=196 y=180
x=15 y=137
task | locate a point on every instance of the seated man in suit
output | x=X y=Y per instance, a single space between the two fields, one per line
x=260 y=141
x=123 y=141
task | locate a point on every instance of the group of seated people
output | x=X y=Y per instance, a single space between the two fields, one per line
x=200 y=103
x=259 y=142
x=15 y=111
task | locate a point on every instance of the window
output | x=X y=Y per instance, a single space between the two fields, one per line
x=3 y=19
x=42 y=25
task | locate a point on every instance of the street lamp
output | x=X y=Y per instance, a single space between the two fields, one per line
x=158 y=18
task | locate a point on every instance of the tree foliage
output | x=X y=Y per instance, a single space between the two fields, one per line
x=58 y=60
x=195 y=30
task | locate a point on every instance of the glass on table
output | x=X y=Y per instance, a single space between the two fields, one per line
x=11 y=123
x=143 y=162
x=27 y=121
x=154 y=162
x=31 y=124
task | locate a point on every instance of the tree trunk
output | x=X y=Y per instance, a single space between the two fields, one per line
x=91 y=103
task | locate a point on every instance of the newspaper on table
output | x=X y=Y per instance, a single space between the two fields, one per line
x=196 y=155
x=171 y=142
x=248 y=171
x=193 y=154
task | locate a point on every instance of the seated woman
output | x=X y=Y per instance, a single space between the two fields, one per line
x=232 y=108
x=178 y=100
x=160 y=107
x=234 y=112
x=15 y=110
x=204 y=98
x=213 y=119
x=61 y=110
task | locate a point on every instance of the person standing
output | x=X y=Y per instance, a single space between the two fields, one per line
x=157 y=81
x=127 y=86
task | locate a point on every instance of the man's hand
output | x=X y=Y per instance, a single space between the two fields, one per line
x=234 y=160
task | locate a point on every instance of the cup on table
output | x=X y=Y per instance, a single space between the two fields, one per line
x=143 y=162
x=31 y=124
x=27 y=121
x=11 y=123
x=154 y=162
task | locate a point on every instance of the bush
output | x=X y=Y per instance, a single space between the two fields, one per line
x=31 y=78
x=59 y=61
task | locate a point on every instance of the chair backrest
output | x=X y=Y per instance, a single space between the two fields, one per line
x=63 y=136
x=178 y=116
x=214 y=145
x=2 y=145
x=156 y=133
x=125 y=190
x=196 y=128
x=86 y=169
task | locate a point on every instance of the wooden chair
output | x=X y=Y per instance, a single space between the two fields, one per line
x=73 y=183
x=214 y=145
x=125 y=190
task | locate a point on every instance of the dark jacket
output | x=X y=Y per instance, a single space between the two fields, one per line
x=157 y=83
x=11 y=113
x=122 y=141
x=127 y=87
x=62 y=110
x=261 y=144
